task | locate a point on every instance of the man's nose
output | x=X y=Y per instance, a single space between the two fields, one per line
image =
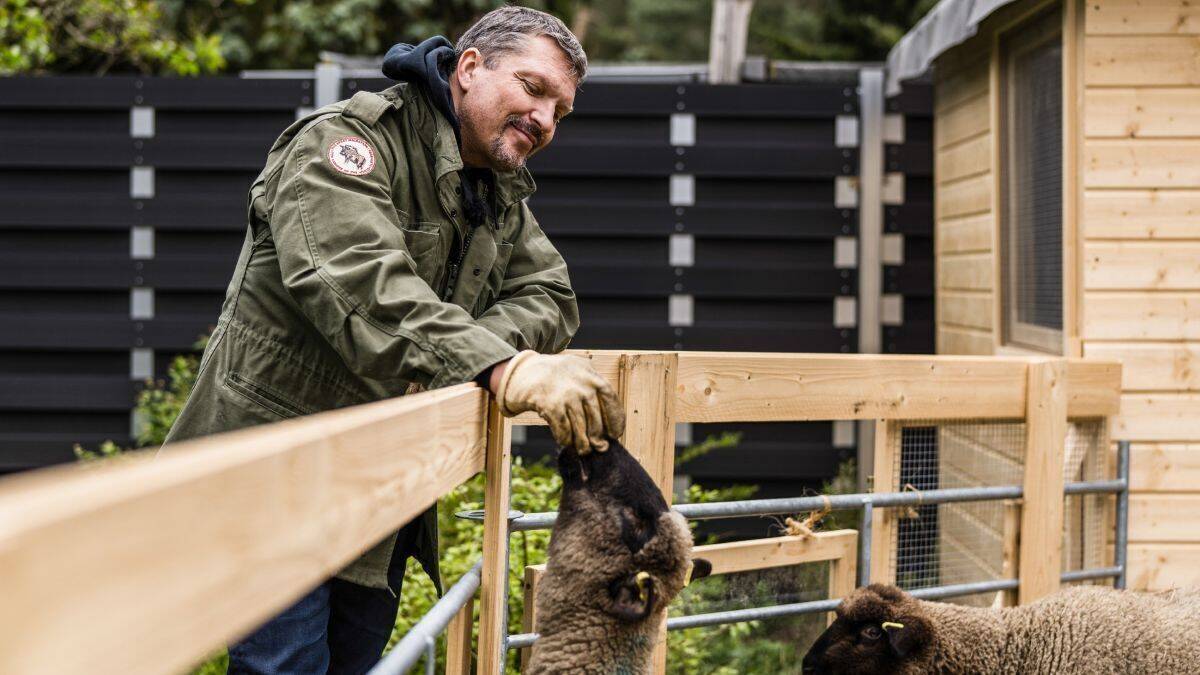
x=543 y=117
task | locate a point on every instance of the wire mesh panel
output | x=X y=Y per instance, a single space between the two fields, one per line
x=966 y=542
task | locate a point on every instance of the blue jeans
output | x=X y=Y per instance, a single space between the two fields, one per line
x=340 y=628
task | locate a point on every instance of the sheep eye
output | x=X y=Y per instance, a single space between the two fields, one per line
x=872 y=632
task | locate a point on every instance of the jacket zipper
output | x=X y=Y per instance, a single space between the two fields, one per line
x=455 y=266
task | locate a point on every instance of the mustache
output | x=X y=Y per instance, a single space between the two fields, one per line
x=534 y=130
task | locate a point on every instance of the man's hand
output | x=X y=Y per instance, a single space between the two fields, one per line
x=580 y=406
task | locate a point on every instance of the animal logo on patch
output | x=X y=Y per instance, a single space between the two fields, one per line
x=351 y=155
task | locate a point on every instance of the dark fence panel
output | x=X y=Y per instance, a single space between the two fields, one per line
x=692 y=217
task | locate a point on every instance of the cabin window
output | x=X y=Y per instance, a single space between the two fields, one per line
x=1031 y=253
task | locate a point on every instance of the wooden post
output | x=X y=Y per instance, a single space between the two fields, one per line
x=727 y=40
x=883 y=534
x=533 y=574
x=648 y=393
x=493 y=608
x=843 y=575
x=1011 y=555
x=1040 y=551
x=458 y=641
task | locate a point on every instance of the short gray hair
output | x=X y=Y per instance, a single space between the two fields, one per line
x=503 y=31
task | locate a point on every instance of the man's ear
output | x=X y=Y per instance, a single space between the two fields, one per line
x=700 y=569
x=468 y=62
x=631 y=597
x=906 y=635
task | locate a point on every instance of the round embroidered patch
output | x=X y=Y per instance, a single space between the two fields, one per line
x=352 y=155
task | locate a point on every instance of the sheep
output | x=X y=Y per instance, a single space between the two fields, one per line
x=617 y=556
x=1091 y=629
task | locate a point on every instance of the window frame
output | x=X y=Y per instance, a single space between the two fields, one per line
x=1038 y=31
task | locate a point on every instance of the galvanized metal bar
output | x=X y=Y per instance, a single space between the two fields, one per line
x=865 y=522
x=870 y=241
x=412 y=646
x=955 y=590
x=430 y=656
x=1084 y=575
x=1094 y=487
x=1120 y=555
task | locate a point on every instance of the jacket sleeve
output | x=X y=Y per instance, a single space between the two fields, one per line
x=343 y=258
x=536 y=306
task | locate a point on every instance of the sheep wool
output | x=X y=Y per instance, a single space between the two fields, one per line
x=618 y=555
x=1089 y=629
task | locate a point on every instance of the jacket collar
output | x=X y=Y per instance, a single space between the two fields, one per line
x=438 y=136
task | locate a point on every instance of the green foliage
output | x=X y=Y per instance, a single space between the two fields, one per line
x=100 y=36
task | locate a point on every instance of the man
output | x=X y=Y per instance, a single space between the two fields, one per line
x=390 y=248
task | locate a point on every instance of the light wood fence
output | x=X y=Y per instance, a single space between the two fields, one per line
x=145 y=565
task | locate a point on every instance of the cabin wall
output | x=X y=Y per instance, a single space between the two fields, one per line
x=1140 y=229
x=1132 y=204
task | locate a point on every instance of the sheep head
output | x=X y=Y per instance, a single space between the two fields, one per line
x=625 y=552
x=878 y=629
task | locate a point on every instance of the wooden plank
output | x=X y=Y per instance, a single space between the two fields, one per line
x=1143 y=265
x=964 y=197
x=1158 y=417
x=960 y=86
x=970 y=234
x=1141 y=214
x=958 y=340
x=1142 y=61
x=883 y=531
x=1143 y=17
x=1073 y=110
x=1042 y=514
x=968 y=120
x=493 y=588
x=967 y=271
x=757 y=554
x=458 y=640
x=1161 y=567
x=1010 y=551
x=1142 y=163
x=963 y=160
x=972 y=309
x=533 y=575
x=1164 y=467
x=239 y=525
x=1164 y=517
x=1142 y=316
x=1142 y=112
x=763 y=387
x=1154 y=366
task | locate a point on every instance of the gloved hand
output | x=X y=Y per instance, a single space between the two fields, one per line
x=579 y=405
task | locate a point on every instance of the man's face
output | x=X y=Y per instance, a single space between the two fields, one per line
x=509 y=111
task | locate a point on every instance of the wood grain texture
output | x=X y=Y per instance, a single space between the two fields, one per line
x=959 y=340
x=758 y=554
x=883 y=532
x=1152 y=366
x=1158 y=417
x=1143 y=17
x=1143 y=265
x=968 y=120
x=971 y=157
x=202 y=544
x=965 y=272
x=1142 y=112
x=1141 y=214
x=965 y=197
x=960 y=85
x=972 y=309
x=1163 y=517
x=1042 y=510
x=1120 y=315
x=1142 y=61
x=493 y=587
x=1160 y=567
x=970 y=234
x=1141 y=163
x=1164 y=467
x=458 y=640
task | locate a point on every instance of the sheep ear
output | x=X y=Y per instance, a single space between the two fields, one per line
x=904 y=637
x=631 y=598
x=700 y=569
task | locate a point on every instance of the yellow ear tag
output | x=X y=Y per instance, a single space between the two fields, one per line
x=687 y=574
x=640 y=579
x=892 y=624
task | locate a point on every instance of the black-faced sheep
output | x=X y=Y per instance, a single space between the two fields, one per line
x=1092 y=629
x=618 y=555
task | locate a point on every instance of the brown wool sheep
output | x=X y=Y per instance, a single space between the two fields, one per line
x=1090 y=629
x=618 y=555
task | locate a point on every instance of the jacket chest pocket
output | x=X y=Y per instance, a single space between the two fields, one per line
x=495 y=280
x=424 y=244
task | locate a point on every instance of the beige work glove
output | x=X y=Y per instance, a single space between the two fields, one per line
x=579 y=405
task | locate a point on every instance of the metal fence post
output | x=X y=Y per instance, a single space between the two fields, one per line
x=864 y=542
x=870 y=240
x=1121 y=555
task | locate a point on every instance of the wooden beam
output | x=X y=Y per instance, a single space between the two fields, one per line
x=202 y=544
x=1042 y=511
x=533 y=574
x=493 y=589
x=883 y=533
x=1010 y=553
x=458 y=640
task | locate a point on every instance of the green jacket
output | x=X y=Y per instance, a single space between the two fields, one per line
x=337 y=298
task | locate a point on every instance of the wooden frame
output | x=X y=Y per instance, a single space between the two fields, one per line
x=244 y=523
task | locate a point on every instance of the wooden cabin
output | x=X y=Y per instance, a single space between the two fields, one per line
x=1067 y=218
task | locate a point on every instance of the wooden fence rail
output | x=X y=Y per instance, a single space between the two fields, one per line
x=145 y=565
